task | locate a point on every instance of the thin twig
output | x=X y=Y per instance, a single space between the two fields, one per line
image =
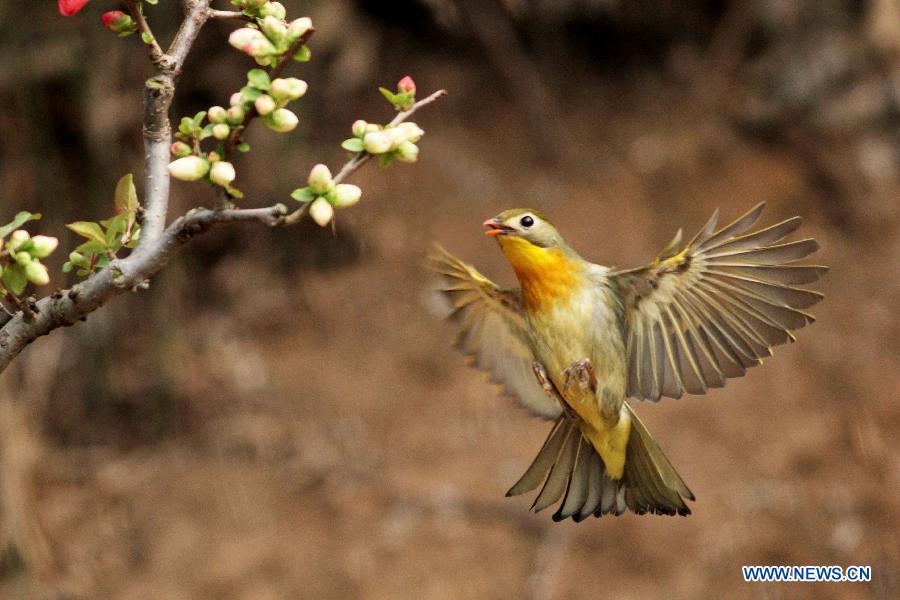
x=156 y=52
x=228 y=15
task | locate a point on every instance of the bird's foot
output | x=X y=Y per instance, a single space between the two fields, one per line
x=541 y=374
x=580 y=372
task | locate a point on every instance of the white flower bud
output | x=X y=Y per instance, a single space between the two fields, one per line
x=36 y=273
x=321 y=211
x=407 y=152
x=288 y=88
x=18 y=236
x=359 y=128
x=298 y=27
x=377 y=142
x=411 y=131
x=320 y=179
x=43 y=245
x=264 y=104
x=221 y=131
x=222 y=173
x=189 y=168
x=235 y=115
x=216 y=114
x=252 y=42
x=346 y=194
x=282 y=120
x=236 y=99
x=22 y=258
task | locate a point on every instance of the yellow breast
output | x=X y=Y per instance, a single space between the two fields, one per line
x=546 y=275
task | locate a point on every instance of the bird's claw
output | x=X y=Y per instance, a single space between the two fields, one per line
x=582 y=373
x=541 y=374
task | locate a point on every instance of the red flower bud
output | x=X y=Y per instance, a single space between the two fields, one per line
x=118 y=22
x=67 y=8
x=109 y=18
x=406 y=85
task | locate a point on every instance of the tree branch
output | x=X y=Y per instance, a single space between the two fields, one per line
x=156 y=52
x=67 y=307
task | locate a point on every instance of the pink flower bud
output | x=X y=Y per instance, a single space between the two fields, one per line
x=118 y=22
x=252 y=42
x=264 y=104
x=216 y=114
x=236 y=99
x=321 y=211
x=235 y=115
x=406 y=85
x=179 y=149
x=67 y=8
x=298 y=27
x=221 y=131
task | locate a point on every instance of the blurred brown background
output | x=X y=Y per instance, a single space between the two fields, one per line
x=282 y=416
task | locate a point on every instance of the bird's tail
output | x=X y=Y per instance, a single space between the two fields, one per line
x=571 y=470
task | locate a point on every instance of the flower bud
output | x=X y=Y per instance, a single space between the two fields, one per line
x=288 y=88
x=321 y=211
x=406 y=85
x=359 y=128
x=213 y=157
x=346 y=194
x=282 y=120
x=255 y=3
x=22 y=258
x=252 y=42
x=67 y=8
x=76 y=257
x=411 y=131
x=43 y=245
x=235 y=115
x=273 y=9
x=179 y=149
x=274 y=29
x=221 y=131
x=298 y=27
x=118 y=22
x=222 y=173
x=189 y=168
x=320 y=179
x=36 y=273
x=264 y=104
x=407 y=152
x=236 y=99
x=18 y=237
x=216 y=114
x=377 y=142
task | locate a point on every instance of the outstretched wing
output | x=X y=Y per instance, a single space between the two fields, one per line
x=492 y=332
x=708 y=312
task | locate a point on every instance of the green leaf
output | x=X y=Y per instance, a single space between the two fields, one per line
x=234 y=192
x=258 y=79
x=67 y=266
x=243 y=147
x=91 y=247
x=126 y=196
x=21 y=218
x=206 y=131
x=185 y=126
x=88 y=229
x=145 y=37
x=250 y=93
x=387 y=94
x=151 y=1
x=353 y=145
x=304 y=194
x=14 y=279
x=303 y=54
x=198 y=119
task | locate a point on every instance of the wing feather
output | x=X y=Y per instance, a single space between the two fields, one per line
x=492 y=332
x=707 y=313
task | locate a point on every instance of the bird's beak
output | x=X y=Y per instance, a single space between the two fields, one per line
x=495 y=227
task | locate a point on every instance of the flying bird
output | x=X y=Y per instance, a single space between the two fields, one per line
x=576 y=340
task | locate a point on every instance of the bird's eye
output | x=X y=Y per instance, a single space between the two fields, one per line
x=526 y=221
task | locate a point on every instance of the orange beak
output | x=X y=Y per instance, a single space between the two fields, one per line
x=495 y=227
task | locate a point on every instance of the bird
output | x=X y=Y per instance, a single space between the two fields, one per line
x=577 y=341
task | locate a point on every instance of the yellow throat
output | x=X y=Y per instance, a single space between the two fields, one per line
x=547 y=275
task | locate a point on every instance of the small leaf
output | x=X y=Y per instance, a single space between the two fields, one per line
x=352 y=144
x=88 y=229
x=258 y=79
x=243 y=147
x=250 y=93
x=91 y=247
x=206 y=131
x=387 y=94
x=234 y=192
x=145 y=37
x=22 y=217
x=67 y=267
x=303 y=54
x=198 y=119
x=14 y=278
x=304 y=194
x=126 y=196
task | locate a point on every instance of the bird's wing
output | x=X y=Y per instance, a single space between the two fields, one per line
x=492 y=332
x=708 y=312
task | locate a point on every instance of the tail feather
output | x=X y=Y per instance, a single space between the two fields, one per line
x=573 y=474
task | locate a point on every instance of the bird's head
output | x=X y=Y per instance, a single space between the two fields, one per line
x=526 y=224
